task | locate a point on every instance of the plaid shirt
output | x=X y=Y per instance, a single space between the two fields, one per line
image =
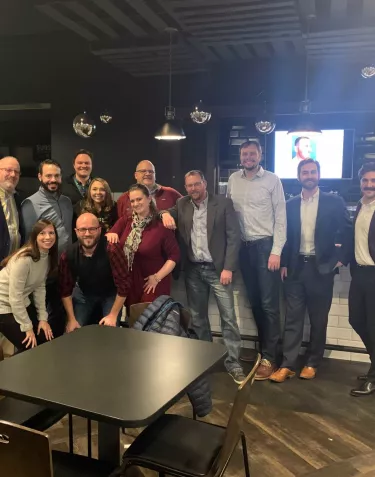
x=120 y=272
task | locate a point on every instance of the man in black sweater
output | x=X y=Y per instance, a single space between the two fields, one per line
x=76 y=185
x=100 y=273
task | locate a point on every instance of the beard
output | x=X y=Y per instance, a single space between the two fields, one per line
x=310 y=184
x=92 y=245
x=45 y=187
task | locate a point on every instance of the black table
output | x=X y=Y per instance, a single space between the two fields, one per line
x=116 y=376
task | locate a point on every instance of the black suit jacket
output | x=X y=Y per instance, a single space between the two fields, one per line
x=4 y=232
x=223 y=230
x=70 y=189
x=333 y=226
x=371 y=235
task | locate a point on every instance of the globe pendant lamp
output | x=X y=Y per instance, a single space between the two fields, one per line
x=170 y=130
x=306 y=125
x=265 y=124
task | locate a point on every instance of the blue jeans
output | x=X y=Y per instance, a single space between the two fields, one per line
x=84 y=307
x=263 y=290
x=200 y=279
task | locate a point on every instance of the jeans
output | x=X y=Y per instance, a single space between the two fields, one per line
x=84 y=307
x=200 y=279
x=263 y=290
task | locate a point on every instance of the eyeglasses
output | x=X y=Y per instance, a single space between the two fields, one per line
x=196 y=184
x=145 y=171
x=8 y=170
x=90 y=230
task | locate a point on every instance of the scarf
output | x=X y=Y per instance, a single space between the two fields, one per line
x=135 y=237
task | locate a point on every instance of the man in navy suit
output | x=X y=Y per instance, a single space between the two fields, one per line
x=319 y=241
x=10 y=221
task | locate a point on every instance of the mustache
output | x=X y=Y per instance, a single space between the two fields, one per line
x=369 y=188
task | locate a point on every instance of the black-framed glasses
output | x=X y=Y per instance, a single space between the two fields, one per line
x=145 y=171
x=90 y=230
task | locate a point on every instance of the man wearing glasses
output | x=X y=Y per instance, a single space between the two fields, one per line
x=10 y=220
x=164 y=197
x=92 y=272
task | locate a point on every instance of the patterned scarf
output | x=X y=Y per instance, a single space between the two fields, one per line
x=135 y=237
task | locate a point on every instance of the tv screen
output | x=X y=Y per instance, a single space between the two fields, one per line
x=327 y=148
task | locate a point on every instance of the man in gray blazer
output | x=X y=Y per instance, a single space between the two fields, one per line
x=209 y=229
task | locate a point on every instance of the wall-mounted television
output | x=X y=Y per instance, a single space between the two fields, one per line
x=333 y=149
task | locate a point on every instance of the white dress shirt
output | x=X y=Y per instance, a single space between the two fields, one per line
x=309 y=212
x=362 y=227
x=260 y=206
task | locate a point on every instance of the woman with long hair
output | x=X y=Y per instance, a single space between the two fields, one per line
x=25 y=273
x=151 y=250
x=99 y=202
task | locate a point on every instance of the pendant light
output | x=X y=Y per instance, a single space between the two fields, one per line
x=170 y=130
x=265 y=124
x=306 y=125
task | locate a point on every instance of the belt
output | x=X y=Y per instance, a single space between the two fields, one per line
x=366 y=266
x=250 y=243
x=203 y=263
x=307 y=258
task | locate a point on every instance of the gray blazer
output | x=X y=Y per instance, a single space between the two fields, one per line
x=223 y=230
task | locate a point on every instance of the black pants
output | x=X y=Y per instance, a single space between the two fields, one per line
x=12 y=330
x=263 y=290
x=362 y=310
x=306 y=289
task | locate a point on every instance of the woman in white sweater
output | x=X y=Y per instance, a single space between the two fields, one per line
x=25 y=273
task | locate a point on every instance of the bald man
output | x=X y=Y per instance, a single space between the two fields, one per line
x=92 y=273
x=164 y=197
x=10 y=222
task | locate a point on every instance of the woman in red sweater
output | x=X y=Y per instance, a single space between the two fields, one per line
x=151 y=250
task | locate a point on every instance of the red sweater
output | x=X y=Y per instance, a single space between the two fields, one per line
x=165 y=198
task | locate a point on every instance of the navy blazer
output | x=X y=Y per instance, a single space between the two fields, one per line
x=333 y=227
x=4 y=232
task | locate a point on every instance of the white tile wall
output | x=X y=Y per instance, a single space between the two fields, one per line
x=339 y=330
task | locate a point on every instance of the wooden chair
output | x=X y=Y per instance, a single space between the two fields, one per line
x=182 y=447
x=26 y=453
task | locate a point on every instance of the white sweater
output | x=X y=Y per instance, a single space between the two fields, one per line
x=21 y=277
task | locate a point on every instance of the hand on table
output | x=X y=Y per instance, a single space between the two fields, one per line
x=72 y=325
x=30 y=339
x=109 y=320
x=44 y=325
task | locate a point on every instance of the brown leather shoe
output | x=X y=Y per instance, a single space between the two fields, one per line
x=308 y=373
x=265 y=369
x=281 y=375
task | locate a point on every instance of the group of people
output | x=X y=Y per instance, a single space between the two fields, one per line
x=85 y=257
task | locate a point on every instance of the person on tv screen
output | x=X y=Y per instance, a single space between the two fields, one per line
x=303 y=148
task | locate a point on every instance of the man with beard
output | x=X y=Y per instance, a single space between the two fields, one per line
x=76 y=185
x=258 y=199
x=100 y=272
x=302 y=147
x=362 y=287
x=49 y=203
x=10 y=220
x=319 y=241
x=164 y=197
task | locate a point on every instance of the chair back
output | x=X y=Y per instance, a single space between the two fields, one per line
x=24 y=452
x=136 y=311
x=234 y=427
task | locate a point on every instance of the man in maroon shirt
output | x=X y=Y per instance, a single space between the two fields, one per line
x=164 y=197
x=92 y=273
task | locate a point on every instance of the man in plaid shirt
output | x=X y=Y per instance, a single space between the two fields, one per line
x=92 y=273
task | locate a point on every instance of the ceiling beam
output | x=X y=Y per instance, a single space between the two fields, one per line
x=262 y=50
x=245 y=20
x=255 y=5
x=90 y=17
x=148 y=14
x=51 y=11
x=243 y=52
x=233 y=9
x=224 y=52
x=119 y=16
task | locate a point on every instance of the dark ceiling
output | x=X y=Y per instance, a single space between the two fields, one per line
x=130 y=34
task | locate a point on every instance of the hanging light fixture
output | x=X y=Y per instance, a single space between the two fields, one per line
x=265 y=124
x=306 y=125
x=368 y=71
x=170 y=130
x=84 y=126
x=200 y=115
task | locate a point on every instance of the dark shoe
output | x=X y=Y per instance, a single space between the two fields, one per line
x=362 y=377
x=281 y=375
x=237 y=375
x=308 y=373
x=265 y=369
x=365 y=389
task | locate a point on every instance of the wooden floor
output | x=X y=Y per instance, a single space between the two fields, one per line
x=299 y=428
